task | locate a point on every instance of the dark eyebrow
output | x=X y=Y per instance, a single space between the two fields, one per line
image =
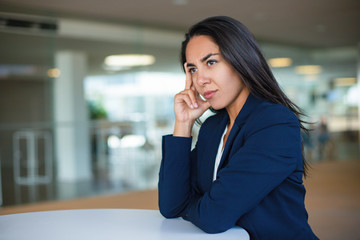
x=203 y=59
x=207 y=56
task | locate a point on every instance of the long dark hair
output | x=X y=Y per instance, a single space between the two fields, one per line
x=239 y=48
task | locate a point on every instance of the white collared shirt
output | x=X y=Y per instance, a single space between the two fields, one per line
x=219 y=154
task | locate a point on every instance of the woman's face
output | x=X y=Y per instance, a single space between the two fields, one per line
x=213 y=77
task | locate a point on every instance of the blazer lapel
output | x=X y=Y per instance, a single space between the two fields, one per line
x=249 y=106
x=211 y=150
x=228 y=145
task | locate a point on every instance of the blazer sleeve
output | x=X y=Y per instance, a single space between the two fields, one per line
x=269 y=155
x=177 y=176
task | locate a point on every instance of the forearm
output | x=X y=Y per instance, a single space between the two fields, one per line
x=174 y=177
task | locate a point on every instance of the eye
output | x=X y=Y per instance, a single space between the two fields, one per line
x=211 y=62
x=192 y=70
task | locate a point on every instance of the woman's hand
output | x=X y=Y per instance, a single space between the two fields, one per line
x=188 y=107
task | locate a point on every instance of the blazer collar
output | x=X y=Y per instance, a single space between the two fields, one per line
x=250 y=104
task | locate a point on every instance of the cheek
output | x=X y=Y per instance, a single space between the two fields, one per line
x=233 y=84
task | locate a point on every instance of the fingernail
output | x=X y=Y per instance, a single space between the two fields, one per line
x=191 y=106
x=196 y=105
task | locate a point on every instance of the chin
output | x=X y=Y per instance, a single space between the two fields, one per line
x=217 y=107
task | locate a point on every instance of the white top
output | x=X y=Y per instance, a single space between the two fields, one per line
x=219 y=154
x=109 y=224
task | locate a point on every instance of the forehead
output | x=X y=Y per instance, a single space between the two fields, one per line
x=200 y=46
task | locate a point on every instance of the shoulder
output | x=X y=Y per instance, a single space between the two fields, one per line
x=273 y=128
x=267 y=113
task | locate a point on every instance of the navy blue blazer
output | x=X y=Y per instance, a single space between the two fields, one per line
x=259 y=180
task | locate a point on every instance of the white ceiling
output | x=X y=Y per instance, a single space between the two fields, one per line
x=311 y=23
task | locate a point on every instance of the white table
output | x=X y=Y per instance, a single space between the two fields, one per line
x=105 y=224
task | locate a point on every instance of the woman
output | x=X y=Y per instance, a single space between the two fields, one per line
x=247 y=166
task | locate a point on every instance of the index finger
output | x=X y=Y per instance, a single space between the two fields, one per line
x=188 y=82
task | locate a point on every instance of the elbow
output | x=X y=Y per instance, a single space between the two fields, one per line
x=168 y=211
x=211 y=229
x=213 y=225
x=170 y=206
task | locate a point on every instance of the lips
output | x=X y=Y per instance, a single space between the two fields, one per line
x=209 y=94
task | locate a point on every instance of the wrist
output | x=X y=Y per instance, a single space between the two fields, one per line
x=183 y=129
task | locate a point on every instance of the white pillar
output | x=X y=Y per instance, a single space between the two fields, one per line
x=72 y=144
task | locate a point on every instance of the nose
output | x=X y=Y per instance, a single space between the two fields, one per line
x=202 y=77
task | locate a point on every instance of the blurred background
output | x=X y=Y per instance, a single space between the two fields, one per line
x=87 y=86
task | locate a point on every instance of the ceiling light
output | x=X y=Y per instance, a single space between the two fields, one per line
x=343 y=82
x=53 y=73
x=280 y=62
x=308 y=69
x=128 y=60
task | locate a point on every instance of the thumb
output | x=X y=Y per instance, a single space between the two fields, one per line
x=204 y=104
